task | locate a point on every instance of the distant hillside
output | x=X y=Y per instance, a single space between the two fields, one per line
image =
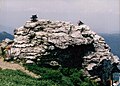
x=113 y=40
x=4 y=35
x=4 y=28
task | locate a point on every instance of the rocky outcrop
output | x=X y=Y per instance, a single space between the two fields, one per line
x=5 y=46
x=59 y=43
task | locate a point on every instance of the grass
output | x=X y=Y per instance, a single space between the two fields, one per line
x=49 y=77
x=62 y=76
x=18 y=78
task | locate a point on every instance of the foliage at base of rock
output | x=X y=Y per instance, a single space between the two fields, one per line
x=62 y=76
x=18 y=78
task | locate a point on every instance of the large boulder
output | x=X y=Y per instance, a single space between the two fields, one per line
x=59 y=43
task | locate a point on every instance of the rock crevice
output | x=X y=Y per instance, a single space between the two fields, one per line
x=60 y=43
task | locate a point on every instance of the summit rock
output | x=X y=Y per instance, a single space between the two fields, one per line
x=62 y=44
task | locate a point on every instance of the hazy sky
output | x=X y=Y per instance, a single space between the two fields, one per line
x=101 y=15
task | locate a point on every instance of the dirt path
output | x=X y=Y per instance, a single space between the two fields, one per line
x=14 y=66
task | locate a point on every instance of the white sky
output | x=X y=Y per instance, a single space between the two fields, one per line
x=101 y=15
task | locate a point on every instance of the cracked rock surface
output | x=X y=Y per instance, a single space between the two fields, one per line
x=59 y=43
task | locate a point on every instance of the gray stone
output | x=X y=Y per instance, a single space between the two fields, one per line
x=29 y=62
x=64 y=44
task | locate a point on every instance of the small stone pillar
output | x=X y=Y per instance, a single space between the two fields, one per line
x=80 y=23
x=34 y=18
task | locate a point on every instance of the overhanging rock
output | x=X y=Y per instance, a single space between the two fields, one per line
x=59 y=43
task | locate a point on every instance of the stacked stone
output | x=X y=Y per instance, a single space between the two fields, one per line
x=35 y=40
x=102 y=51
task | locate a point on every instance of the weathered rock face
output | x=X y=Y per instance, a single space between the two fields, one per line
x=62 y=44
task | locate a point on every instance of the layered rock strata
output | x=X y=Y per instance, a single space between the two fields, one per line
x=59 y=43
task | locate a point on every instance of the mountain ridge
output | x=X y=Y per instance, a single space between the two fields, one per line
x=113 y=40
x=4 y=35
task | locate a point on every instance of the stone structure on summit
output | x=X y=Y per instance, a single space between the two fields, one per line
x=34 y=18
x=62 y=44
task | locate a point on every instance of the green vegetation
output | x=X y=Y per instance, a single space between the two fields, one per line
x=62 y=76
x=18 y=78
x=49 y=77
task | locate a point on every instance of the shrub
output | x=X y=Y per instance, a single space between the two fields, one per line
x=53 y=75
x=66 y=81
x=68 y=71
